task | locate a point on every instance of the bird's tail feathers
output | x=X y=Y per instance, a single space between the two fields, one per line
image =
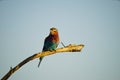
x=40 y=61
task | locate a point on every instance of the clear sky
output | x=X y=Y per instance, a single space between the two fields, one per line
x=95 y=23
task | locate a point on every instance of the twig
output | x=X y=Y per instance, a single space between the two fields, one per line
x=62 y=44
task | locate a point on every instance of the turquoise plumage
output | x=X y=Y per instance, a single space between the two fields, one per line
x=51 y=42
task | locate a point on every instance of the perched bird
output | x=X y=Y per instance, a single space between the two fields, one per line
x=51 y=42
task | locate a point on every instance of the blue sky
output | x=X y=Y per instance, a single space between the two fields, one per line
x=95 y=23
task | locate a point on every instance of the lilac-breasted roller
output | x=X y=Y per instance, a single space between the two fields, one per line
x=51 y=42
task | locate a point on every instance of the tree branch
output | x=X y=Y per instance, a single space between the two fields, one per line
x=69 y=48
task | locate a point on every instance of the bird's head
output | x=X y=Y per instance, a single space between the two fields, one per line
x=53 y=31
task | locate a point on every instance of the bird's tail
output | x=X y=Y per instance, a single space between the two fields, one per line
x=39 y=64
x=40 y=61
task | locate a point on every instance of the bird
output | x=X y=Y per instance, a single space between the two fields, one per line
x=51 y=42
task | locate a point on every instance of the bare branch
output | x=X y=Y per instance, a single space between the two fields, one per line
x=69 y=48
